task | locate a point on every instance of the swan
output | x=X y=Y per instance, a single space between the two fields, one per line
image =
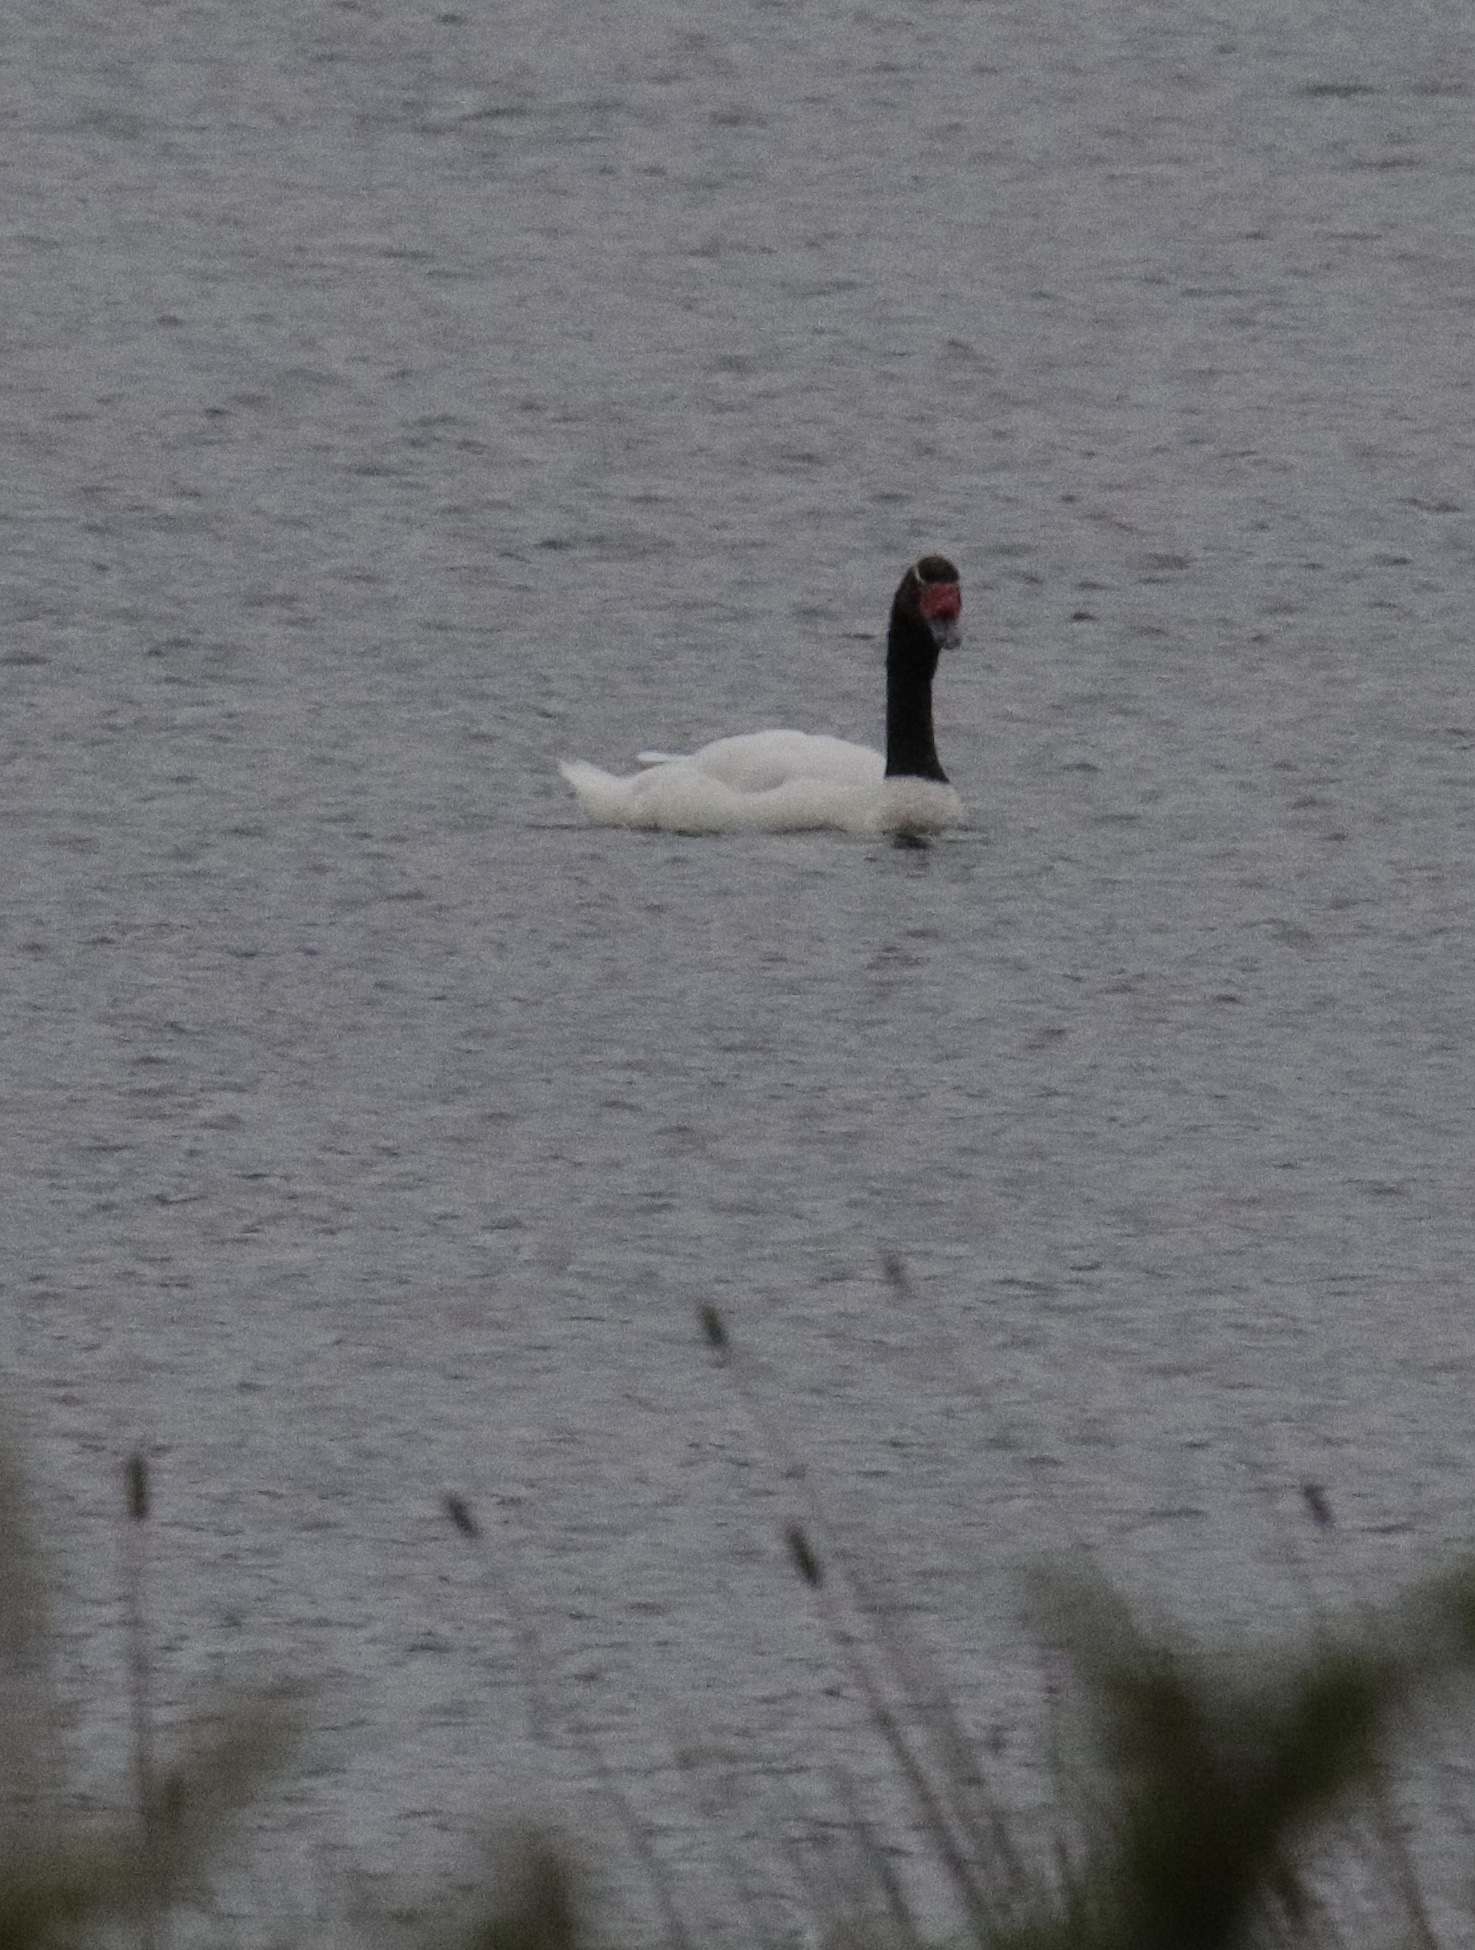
x=788 y=781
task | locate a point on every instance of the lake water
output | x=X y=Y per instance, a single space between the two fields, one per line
x=397 y=398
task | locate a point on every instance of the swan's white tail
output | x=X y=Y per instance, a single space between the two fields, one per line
x=604 y=798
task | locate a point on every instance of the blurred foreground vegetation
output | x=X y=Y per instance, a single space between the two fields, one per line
x=1205 y=1800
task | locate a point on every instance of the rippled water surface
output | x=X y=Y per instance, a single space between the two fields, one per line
x=397 y=398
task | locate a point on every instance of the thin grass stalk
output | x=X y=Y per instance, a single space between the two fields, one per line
x=832 y=1900
x=872 y=1851
x=542 y=1718
x=975 y=1809
x=936 y=1823
x=1401 y=1865
x=141 y=1691
x=1293 y=1560
x=657 y=1875
x=699 y=1765
x=936 y=1819
x=1384 y=1811
x=911 y=1672
x=836 y=1907
x=508 y=1594
x=28 y=1707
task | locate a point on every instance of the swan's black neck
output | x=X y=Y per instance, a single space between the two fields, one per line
x=911 y=665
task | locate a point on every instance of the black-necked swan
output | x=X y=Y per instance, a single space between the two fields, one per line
x=786 y=781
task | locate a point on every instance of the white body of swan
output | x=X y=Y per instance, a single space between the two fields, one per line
x=787 y=781
x=766 y=782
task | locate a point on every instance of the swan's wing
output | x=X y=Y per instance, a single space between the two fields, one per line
x=762 y=761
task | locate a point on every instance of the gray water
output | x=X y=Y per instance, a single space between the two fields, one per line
x=397 y=398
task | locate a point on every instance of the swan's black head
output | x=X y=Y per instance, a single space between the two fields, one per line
x=925 y=610
x=924 y=621
x=938 y=597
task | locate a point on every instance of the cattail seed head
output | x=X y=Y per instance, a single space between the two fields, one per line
x=461 y=1515
x=136 y=1486
x=713 y=1328
x=806 y=1561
